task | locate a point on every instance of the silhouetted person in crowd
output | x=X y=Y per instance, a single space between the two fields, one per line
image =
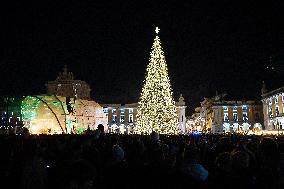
x=101 y=128
x=222 y=172
x=100 y=133
x=25 y=132
x=269 y=164
x=191 y=170
x=81 y=175
x=34 y=174
x=224 y=145
x=116 y=168
x=100 y=160
x=242 y=177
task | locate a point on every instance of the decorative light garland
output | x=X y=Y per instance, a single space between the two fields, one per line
x=156 y=108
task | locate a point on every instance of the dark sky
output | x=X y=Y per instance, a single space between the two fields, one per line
x=209 y=46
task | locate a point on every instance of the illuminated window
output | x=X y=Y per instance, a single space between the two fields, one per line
x=225 y=108
x=270 y=101
x=122 y=110
x=245 y=108
x=276 y=99
x=130 y=118
x=278 y=125
x=235 y=116
x=106 y=110
x=245 y=116
x=226 y=117
x=130 y=110
x=270 y=111
x=277 y=110
x=226 y=127
x=235 y=113
x=114 y=118
x=122 y=119
x=114 y=111
x=235 y=127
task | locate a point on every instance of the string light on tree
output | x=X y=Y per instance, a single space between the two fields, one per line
x=156 y=108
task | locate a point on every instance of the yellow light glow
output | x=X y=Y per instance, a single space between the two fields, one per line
x=57 y=120
x=156 y=108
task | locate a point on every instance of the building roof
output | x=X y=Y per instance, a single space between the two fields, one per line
x=66 y=77
x=274 y=92
x=237 y=102
x=132 y=105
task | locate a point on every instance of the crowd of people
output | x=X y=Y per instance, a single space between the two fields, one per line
x=100 y=160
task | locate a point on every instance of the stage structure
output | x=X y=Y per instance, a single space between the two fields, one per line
x=60 y=115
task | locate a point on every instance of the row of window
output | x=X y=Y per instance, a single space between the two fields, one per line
x=235 y=108
x=235 y=117
x=277 y=111
x=10 y=113
x=11 y=120
x=235 y=113
x=122 y=110
x=278 y=125
x=122 y=118
x=275 y=99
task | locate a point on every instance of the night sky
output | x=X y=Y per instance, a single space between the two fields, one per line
x=226 y=46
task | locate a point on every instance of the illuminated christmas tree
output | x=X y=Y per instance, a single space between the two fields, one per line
x=156 y=108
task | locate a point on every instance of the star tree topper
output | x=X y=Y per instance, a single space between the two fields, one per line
x=157 y=30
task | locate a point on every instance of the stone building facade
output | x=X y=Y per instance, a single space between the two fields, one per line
x=65 y=85
x=221 y=116
x=122 y=117
x=273 y=109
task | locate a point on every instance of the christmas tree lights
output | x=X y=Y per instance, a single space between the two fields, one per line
x=156 y=108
